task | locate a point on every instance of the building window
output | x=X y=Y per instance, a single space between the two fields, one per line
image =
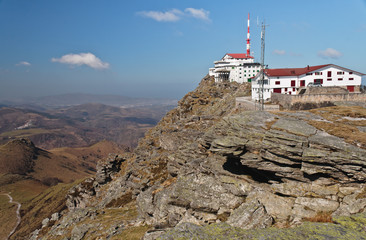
x=286 y=89
x=318 y=73
x=245 y=70
x=329 y=79
x=240 y=77
x=350 y=78
x=302 y=83
x=340 y=73
x=245 y=75
x=319 y=81
x=239 y=72
x=329 y=74
x=257 y=70
x=350 y=73
x=309 y=73
x=293 y=83
x=277 y=82
x=233 y=67
x=340 y=79
x=293 y=89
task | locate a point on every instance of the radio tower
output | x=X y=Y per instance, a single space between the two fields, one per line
x=248 y=40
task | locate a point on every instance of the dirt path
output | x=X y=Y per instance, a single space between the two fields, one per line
x=17 y=213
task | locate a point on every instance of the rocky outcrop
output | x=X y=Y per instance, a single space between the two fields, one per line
x=342 y=228
x=105 y=169
x=207 y=163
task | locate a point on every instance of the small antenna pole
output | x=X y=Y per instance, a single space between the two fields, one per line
x=263 y=34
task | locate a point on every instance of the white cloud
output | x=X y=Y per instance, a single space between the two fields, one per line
x=23 y=63
x=279 y=52
x=175 y=15
x=88 y=59
x=330 y=53
x=168 y=16
x=198 y=13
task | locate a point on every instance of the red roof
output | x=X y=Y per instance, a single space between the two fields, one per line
x=239 y=55
x=292 y=71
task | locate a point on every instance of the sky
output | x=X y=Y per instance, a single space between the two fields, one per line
x=163 y=48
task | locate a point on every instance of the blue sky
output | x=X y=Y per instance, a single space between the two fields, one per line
x=163 y=48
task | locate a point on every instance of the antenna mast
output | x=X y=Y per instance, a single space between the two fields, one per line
x=248 y=39
x=263 y=34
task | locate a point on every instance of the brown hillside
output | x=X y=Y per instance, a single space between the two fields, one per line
x=42 y=170
x=17 y=156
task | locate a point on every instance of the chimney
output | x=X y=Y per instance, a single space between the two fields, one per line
x=308 y=67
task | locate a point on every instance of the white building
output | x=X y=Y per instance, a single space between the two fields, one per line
x=235 y=67
x=290 y=80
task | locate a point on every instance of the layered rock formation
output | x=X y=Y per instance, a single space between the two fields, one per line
x=207 y=163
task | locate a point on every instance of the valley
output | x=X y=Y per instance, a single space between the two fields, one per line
x=80 y=125
x=47 y=151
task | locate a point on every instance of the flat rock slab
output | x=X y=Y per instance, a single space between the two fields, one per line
x=298 y=127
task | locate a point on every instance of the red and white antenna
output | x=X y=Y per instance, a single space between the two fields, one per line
x=248 y=39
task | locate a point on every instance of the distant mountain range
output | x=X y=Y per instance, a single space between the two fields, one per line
x=72 y=99
x=80 y=125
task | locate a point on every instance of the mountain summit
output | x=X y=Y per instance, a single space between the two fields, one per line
x=210 y=170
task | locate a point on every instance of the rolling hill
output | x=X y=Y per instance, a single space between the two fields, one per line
x=79 y=126
x=35 y=177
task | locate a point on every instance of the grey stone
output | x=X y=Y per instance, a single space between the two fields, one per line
x=250 y=215
x=45 y=222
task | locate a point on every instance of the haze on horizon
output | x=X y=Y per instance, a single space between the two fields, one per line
x=162 y=48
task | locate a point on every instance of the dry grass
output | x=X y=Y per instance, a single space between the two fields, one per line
x=334 y=113
x=121 y=201
x=24 y=132
x=41 y=206
x=109 y=217
x=133 y=233
x=270 y=123
x=340 y=127
x=324 y=217
x=7 y=216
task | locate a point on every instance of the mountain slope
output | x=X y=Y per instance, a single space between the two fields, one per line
x=29 y=174
x=17 y=157
x=207 y=162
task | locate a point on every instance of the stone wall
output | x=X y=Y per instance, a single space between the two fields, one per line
x=287 y=101
x=326 y=90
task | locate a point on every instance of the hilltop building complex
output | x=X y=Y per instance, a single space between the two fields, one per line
x=292 y=80
x=241 y=68
x=236 y=67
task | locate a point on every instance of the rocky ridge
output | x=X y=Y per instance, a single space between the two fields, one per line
x=207 y=163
